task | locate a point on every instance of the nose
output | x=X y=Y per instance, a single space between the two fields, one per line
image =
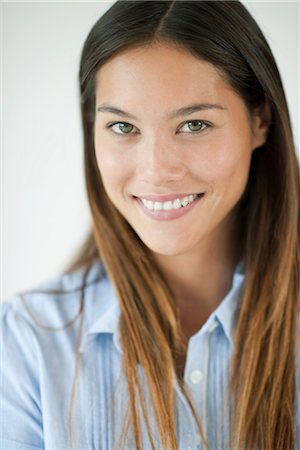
x=159 y=161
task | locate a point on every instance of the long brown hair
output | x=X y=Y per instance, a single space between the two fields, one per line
x=261 y=385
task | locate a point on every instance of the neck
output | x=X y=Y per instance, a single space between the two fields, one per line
x=201 y=278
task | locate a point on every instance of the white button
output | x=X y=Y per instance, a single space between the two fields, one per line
x=212 y=326
x=196 y=376
x=197 y=439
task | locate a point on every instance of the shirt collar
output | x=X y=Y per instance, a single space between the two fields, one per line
x=223 y=315
x=225 y=312
x=106 y=307
x=109 y=315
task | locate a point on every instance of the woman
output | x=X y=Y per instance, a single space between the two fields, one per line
x=188 y=286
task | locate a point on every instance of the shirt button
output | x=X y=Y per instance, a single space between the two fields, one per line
x=212 y=326
x=196 y=376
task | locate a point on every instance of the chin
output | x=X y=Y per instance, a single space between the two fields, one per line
x=167 y=248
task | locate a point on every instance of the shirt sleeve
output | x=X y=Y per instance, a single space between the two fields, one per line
x=21 y=425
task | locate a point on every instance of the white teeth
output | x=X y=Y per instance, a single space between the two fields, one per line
x=169 y=205
x=184 y=201
x=148 y=203
x=177 y=204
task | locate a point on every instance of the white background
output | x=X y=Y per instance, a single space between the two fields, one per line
x=44 y=206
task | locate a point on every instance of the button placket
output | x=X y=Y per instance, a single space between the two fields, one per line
x=196 y=376
x=213 y=325
x=185 y=421
x=198 y=440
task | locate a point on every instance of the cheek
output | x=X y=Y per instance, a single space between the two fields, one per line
x=225 y=161
x=114 y=170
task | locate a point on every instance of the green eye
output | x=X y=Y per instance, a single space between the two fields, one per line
x=194 y=126
x=122 y=127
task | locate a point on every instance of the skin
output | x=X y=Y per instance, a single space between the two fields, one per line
x=196 y=252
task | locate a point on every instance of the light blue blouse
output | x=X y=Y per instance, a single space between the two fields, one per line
x=37 y=368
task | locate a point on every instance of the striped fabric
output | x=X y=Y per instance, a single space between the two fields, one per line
x=37 y=369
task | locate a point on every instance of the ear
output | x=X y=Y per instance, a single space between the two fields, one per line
x=261 y=120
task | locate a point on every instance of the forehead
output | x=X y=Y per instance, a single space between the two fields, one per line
x=163 y=66
x=152 y=81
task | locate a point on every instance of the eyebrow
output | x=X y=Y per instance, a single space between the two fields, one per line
x=186 y=110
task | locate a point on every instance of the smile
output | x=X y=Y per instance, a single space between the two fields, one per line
x=169 y=205
x=169 y=209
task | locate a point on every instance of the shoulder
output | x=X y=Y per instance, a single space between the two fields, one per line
x=39 y=335
x=58 y=301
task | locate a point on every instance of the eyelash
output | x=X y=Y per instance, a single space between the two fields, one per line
x=202 y=122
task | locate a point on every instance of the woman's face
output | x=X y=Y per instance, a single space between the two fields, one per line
x=173 y=145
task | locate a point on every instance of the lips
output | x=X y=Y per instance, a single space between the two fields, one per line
x=167 y=197
x=174 y=207
x=168 y=205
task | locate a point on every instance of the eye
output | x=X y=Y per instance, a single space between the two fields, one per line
x=121 y=127
x=194 y=126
